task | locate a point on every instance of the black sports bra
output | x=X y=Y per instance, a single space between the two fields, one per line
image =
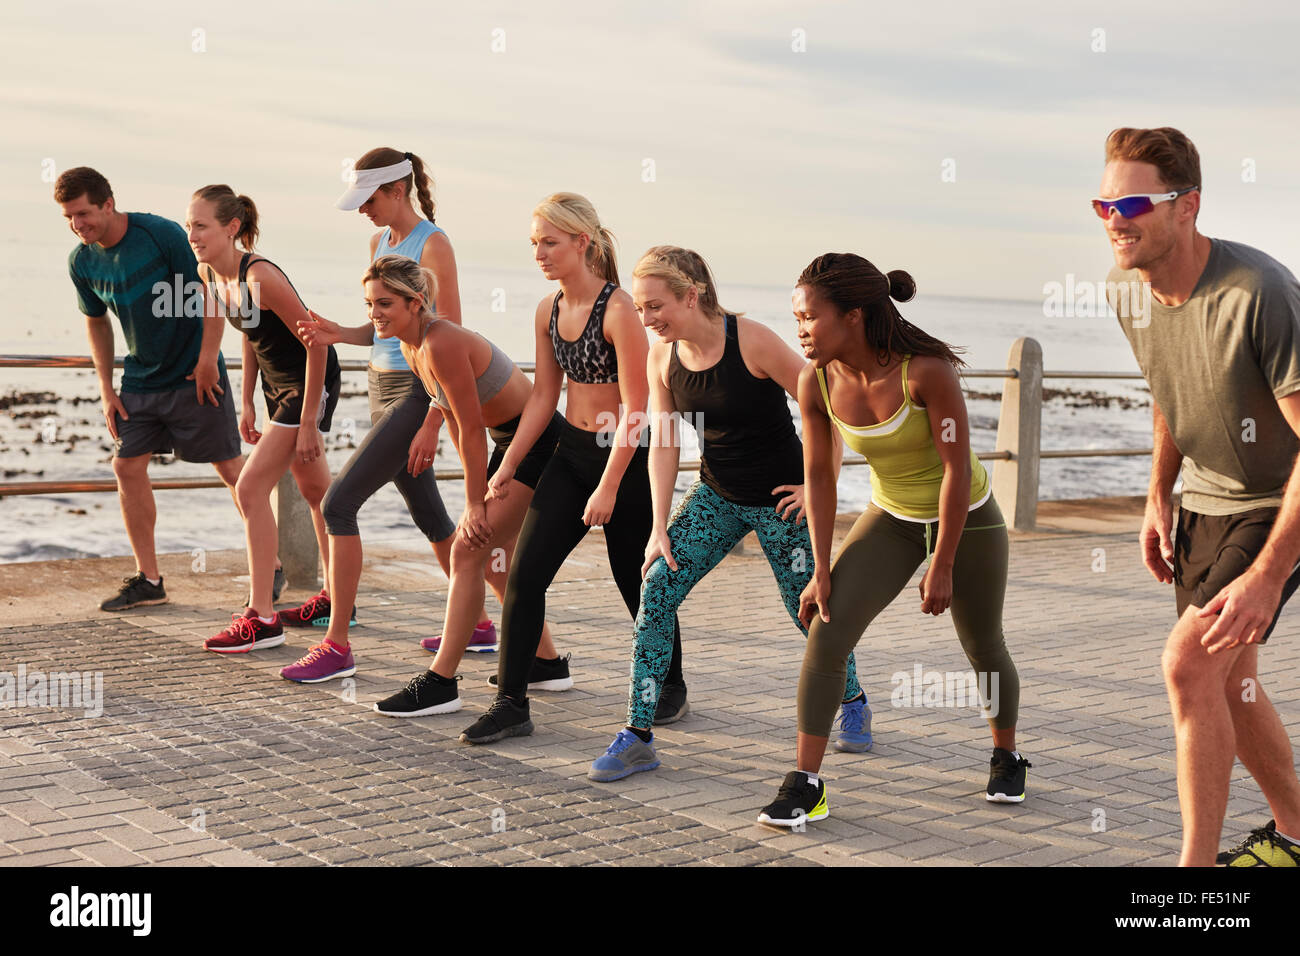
x=589 y=360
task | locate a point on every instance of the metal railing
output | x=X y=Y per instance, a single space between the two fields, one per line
x=79 y=486
x=1015 y=472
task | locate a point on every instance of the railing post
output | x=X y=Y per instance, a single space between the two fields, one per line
x=1020 y=421
x=298 y=551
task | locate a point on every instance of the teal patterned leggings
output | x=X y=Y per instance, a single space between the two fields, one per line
x=702 y=531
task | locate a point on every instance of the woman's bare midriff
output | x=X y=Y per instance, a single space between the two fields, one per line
x=593 y=408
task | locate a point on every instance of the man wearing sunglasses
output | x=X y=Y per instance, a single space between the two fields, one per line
x=1220 y=350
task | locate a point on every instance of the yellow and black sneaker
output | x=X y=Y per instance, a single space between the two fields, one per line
x=796 y=801
x=1264 y=847
x=1007 y=773
x=1226 y=855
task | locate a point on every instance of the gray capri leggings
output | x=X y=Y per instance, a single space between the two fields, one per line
x=398 y=406
x=875 y=563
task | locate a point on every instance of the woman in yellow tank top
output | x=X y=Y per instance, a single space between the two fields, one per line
x=892 y=391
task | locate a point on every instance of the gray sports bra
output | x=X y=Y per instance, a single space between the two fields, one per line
x=490 y=383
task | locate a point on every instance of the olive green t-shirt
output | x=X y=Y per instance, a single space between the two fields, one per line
x=1216 y=366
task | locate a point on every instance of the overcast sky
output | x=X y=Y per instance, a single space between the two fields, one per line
x=775 y=131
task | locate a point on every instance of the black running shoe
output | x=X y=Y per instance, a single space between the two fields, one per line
x=672 y=705
x=136 y=591
x=1006 y=777
x=797 y=800
x=1264 y=847
x=503 y=719
x=424 y=694
x=546 y=675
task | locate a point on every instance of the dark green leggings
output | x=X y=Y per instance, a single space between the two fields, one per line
x=875 y=563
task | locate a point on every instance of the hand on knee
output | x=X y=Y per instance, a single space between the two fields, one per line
x=465 y=558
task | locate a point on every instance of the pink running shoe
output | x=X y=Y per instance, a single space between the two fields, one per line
x=482 y=641
x=245 y=633
x=323 y=662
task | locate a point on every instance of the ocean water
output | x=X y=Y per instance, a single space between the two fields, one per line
x=59 y=433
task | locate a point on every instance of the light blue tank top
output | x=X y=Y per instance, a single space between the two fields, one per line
x=386 y=354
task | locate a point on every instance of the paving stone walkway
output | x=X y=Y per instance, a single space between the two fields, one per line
x=202 y=759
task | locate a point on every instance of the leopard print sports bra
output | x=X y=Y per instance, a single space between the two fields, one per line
x=589 y=360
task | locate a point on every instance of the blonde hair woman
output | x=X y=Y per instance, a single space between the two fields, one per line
x=477 y=387
x=730 y=376
x=588 y=333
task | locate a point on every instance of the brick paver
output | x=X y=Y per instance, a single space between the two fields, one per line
x=198 y=759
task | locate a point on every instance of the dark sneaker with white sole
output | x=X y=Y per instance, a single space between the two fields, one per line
x=136 y=591
x=546 y=675
x=796 y=801
x=424 y=694
x=1006 y=777
x=503 y=719
x=672 y=705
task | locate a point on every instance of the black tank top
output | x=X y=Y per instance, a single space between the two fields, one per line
x=281 y=356
x=750 y=445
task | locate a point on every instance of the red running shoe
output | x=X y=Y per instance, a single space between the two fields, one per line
x=245 y=633
x=315 y=613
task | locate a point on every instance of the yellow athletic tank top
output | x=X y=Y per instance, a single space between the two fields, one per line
x=906 y=470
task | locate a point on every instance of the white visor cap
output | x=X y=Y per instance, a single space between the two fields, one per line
x=362 y=183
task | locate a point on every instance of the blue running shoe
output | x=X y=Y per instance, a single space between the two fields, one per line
x=855 y=726
x=626 y=755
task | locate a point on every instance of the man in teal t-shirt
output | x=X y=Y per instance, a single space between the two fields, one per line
x=1215 y=328
x=175 y=394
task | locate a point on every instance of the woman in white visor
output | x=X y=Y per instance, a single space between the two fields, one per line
x=403 y=438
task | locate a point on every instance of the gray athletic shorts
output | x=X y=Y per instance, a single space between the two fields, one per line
x=166 y=422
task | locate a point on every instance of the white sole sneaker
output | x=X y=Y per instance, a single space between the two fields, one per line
x=793 y=821
x=263 y=644
x=1003 y=798
x=320 y=680
x=559 y=684
x=450 y=707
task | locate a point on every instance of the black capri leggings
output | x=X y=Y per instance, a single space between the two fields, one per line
x=398 y=406
x=552 y=529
